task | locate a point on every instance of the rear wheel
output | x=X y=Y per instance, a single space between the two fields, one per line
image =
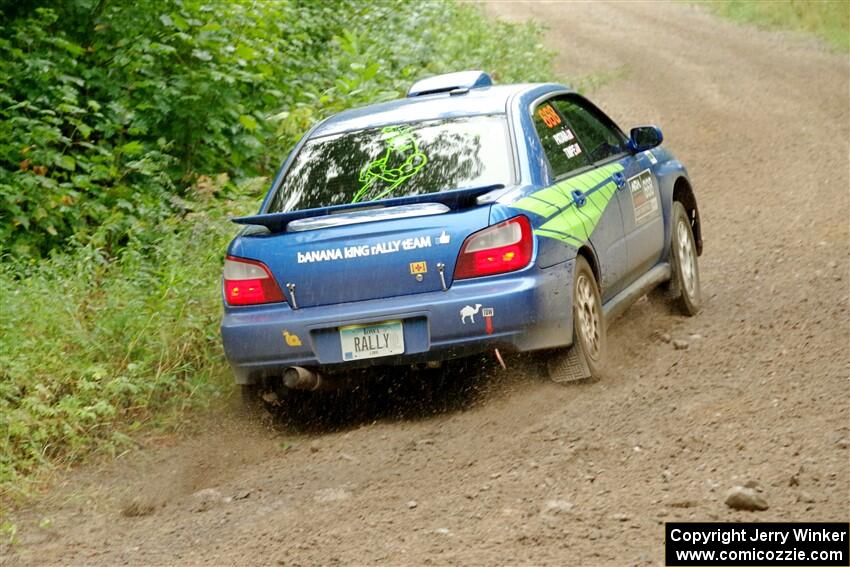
x=685 y=283
x=585 y=357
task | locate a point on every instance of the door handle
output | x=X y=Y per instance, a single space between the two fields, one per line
x=619 y=179
x=579 y=198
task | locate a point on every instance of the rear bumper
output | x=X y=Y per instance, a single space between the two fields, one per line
x=531 y=310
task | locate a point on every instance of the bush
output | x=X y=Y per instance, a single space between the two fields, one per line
x=92 y=348
x=112 y=109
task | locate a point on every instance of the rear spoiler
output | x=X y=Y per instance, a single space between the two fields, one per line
x=455 y=199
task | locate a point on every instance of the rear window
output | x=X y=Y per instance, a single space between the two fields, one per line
x=396 y=161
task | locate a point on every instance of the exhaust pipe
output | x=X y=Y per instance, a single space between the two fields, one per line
x=300 y=378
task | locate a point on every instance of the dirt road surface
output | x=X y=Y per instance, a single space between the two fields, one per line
x=511 y=469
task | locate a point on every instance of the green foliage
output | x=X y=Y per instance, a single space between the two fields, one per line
x=111 y=109
x=827 y=19
x=91 y=348
x=129 y=131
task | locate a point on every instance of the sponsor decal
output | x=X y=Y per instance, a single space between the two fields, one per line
x=357 y=251
x=418 y=268
x=564 y=136
x=291 y=340
x=652 y=159
x=548 y=115
x=572 y=150
x=469 y=312
x=644 y=197
x=444 y=238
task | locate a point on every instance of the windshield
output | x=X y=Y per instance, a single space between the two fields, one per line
x=396 y=161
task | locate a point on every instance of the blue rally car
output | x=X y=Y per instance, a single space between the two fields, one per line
x=465 y=218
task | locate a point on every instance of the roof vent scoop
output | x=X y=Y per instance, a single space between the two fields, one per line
x=463 y=80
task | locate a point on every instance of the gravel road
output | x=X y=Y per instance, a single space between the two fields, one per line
x=509 y=469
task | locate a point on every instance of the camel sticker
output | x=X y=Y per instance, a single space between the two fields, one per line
x=469 y=312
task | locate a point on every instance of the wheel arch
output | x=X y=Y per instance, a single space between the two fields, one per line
x=684 y=194
x=588 y=254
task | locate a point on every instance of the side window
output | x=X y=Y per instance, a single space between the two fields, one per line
x=600 y=138
x=559 y=141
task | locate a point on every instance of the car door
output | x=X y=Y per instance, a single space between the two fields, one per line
x=637 y=186
x=643 y=221
x=581 y=203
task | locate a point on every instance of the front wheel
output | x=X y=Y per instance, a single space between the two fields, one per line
x=585 y=358
x=685 y=283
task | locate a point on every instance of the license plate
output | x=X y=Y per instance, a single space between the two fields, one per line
x=371 y=341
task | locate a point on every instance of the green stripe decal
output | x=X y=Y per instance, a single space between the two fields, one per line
x=558 y=236
x=535 y=204
x=565 y=221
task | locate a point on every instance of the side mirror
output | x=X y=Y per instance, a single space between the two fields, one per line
x=645 y=138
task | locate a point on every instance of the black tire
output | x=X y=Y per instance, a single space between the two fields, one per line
x=685 y=282
x=586 y=357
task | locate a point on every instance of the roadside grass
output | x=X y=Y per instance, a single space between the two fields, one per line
x=95 y=348
x=98 y=344
x=826 y=19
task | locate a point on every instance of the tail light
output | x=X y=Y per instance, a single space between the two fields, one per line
x=249 y=282
x=497 y=249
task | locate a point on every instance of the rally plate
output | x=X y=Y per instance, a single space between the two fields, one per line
x=371 y=341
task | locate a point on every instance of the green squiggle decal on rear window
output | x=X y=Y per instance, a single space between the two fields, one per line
x=400 y=145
